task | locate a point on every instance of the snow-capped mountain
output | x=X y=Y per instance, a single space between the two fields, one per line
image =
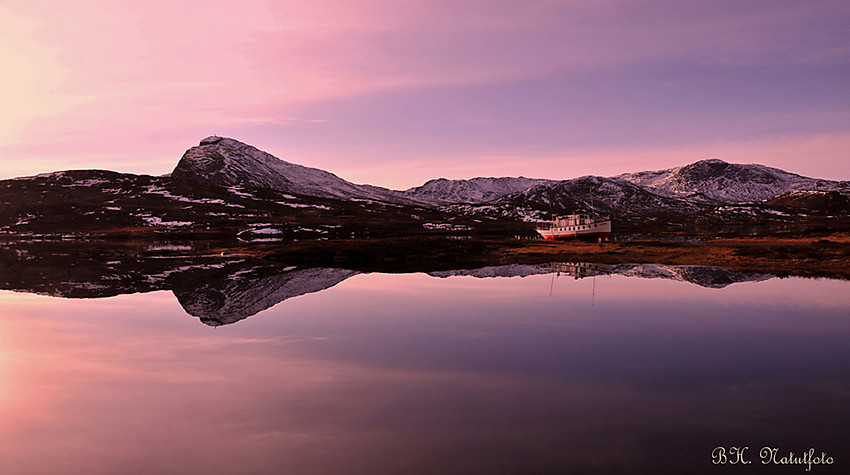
x=475 y=190
x=99 y=203
x=695 y=188
x=728 y=183
x=230 y=189
x=607 y=196
x=675 y=191
x=225 y=161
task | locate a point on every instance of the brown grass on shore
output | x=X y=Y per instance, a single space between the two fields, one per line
x=827 y=256
x=805 y=256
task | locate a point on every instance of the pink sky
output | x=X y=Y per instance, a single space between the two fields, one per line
x=394 y=93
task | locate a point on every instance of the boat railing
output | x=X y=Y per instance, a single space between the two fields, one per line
x=566 y=222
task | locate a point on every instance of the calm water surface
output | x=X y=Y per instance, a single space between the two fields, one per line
x=417 y=373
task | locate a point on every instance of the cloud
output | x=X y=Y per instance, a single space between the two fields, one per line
x=135 y=84
x=31 y=74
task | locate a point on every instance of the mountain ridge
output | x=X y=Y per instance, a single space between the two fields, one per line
x=721 y=181
x=231 y=188
x=704 y=182
x=227 y=161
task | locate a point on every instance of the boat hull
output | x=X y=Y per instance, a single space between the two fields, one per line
x=549 y=236
x=595 y=230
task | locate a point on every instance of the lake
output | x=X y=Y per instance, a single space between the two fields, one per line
x=567 y=368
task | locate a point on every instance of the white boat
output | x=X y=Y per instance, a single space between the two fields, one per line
x=575 y=226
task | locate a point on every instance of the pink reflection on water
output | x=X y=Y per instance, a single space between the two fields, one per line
x=388 y=373
x=130 y=382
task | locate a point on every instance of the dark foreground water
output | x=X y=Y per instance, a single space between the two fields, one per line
x=417 y=373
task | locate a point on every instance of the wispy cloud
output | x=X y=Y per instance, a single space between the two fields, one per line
x=135 y=84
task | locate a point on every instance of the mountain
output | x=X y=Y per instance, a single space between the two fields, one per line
x=832 y=202
x=614 y=197
x=728 y=183
x=225 y=161
x=228 y=189
x=87 y=204
x=608 y=196
x=714 y=190
x=476 y=190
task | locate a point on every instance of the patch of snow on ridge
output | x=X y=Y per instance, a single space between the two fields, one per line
x=157 y=221
x=267 y=231
x=237 y=190
x=446 y=226
x=303 y=205
x=87 y=182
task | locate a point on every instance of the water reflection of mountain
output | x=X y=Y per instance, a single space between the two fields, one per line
x=239 y=296
x=216 y=289
x=511 y=270
x=713 y=277
x=220 y=290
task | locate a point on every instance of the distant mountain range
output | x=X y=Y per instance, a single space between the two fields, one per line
x=228 y=188
x=706 y=185
x=691 y=188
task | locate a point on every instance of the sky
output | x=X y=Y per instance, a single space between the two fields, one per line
x=396 y=92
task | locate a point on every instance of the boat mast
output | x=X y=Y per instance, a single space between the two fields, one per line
x=592 y=210
x=551 y=207
x=593 y=297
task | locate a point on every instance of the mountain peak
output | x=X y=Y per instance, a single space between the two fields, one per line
x=473 y=190
x=719 y=181
x=212 y=139
x=710 y=161
x=226 y=161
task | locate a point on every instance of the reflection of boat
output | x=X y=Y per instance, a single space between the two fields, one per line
x=580 y=270
x=575 y=226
